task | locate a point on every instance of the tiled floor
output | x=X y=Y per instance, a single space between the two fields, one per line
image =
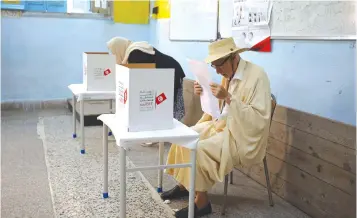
x=25 y=185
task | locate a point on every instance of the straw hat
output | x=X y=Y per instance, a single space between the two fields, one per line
x=222 y=48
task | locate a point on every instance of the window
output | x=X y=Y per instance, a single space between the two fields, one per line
x=69 y=6
x=46 y=6
x=55 y=6
x=12 y=5
x=78 y=6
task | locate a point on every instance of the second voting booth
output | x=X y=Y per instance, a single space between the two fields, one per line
x=99 y=71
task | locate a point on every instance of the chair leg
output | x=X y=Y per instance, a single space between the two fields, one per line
x=223 y=212
x=231 y=178
x=268 y=182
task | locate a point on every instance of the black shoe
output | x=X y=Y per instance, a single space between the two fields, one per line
x=183 y=213
x=174 y=193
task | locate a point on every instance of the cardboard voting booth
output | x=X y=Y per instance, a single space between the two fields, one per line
x=144 y=97
x=99 y=71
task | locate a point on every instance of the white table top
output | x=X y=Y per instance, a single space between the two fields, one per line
x=79 y=91
x=180 y=134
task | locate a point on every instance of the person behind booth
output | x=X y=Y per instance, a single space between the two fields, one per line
x=238 y=137
x=128 y=52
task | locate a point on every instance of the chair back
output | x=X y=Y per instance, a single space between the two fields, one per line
x=273 y=106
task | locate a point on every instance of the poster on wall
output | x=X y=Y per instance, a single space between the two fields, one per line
x=250 y=24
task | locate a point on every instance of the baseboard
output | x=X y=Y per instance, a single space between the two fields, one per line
x=34 y=105
x=89 y=120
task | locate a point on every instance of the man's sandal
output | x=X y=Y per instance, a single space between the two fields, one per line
x=183 y=213
x=174 y=193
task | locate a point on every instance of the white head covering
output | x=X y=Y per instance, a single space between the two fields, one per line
x=122 y=47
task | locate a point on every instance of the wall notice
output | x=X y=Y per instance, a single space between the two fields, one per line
x=147 y=100
x=250 y=24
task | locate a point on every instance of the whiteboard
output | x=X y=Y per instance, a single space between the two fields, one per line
x=193 y=20
x=302 y=19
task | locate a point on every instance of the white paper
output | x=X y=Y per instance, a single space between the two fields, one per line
x=209 y=102
x=246 y=38
x=251 y=12
x=250 y=22
x=97 y=3
x=147 y=100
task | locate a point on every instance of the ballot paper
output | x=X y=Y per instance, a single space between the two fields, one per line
x=209 y=102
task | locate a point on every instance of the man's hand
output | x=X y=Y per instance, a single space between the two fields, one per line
x=218 y=91
x=197 y=88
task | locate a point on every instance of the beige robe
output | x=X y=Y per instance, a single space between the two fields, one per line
x=240 y=138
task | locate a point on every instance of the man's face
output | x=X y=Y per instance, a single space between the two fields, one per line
x=224 y=66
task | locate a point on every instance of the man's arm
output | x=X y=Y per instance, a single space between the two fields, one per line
x=228 y=99
x=256 y=111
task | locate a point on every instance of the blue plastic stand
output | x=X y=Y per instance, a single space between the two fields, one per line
x=159 y=190
x=74 y=135
x=105 y=195
x=83 y=151
x=110 y=133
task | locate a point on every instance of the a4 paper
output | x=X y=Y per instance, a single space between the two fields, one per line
x=209 y=102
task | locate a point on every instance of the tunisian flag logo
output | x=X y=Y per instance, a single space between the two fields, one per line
x=161 y=98
x=107 y=72
x=125 y=95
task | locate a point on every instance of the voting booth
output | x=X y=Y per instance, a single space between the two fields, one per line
x=99 y=71
x=144 y=97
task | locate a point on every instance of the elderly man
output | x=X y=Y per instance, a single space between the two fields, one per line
x=238 y=137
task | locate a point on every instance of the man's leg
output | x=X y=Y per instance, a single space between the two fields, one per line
x=211 y=166
x=201 y=200
x=179 y=190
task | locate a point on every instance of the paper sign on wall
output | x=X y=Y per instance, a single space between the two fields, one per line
x=250 y=24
